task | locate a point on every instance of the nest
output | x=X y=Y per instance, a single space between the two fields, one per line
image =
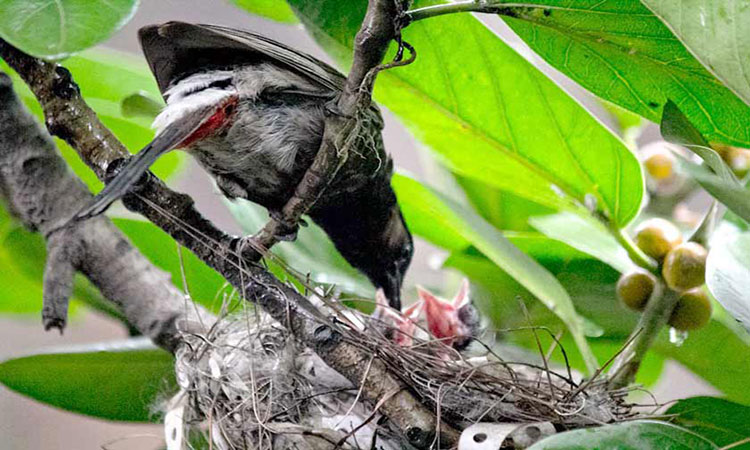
x=248 y=384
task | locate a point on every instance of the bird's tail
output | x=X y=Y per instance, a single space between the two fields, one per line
x=119 y=186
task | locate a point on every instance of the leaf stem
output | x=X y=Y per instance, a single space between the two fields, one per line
x=479 y=6
x=449 y=8
x=635 y=253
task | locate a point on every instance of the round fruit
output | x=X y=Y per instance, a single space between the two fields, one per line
x=685 y=266
x=693 y=310
x=656 y=237
x=739 y=160
x=659 y=165
x=635 y=288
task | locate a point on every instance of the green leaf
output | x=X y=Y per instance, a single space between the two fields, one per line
x=141 y=104
x=631 y=124
x=714 y=176
x=54 y=29
x=716 y=419
x=626 y=120
x=420 y=211
x=715 y=353
x=116 y=381
x=586 y=235
x=636 y=435
x=622 y=52
x=106 y=78
x=728 y=275
x=311 y=253
x=204 y=284
x=490 y=115
x=676 y=128
x=276 y=10
x=502 y=209
x=22 y=257
x=715 y=33
x=732 y=195
x=447 y=214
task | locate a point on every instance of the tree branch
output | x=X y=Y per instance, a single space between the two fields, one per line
x=652 y=321
x=69 y=117
x=41 y=191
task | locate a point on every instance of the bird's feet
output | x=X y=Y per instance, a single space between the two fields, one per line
x=285 y=231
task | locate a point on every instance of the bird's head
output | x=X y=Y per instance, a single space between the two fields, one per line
x=455 y=322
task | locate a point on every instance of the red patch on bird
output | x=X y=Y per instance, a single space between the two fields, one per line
x=219 y=118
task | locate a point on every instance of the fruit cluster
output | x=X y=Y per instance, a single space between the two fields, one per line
x=683 y=267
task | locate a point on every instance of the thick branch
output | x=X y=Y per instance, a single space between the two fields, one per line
x=40 y=191
x=68 y=116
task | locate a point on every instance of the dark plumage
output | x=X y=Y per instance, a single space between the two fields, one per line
x=252 y=112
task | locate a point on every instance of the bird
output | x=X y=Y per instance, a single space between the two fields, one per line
x=400 y=326
x=456 y=323
x=252 y=111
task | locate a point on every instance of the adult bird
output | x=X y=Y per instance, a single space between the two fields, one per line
x=252 y=112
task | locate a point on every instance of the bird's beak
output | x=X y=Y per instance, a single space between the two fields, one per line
x=393 y=290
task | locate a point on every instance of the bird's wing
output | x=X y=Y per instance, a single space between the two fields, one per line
x=175 y=50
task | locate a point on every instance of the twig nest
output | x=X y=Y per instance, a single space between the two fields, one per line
x=253 y=386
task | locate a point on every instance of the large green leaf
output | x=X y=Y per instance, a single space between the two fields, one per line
x=116 y=381
x=586 y=235
x=445 y=213
x=636 y=435
x=490 y=115
x=622 y=52
x=716 y=33
x=717 y=354
x=205 y=285
x=276 y=10
x=716 y=419
x=504 y=210
x=107 y=78
x=56 y=28
x=728 y=275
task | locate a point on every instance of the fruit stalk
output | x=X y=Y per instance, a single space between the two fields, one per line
x=654 y=318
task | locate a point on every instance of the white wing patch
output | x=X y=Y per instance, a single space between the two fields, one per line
x=195 y=83
x=191 y=94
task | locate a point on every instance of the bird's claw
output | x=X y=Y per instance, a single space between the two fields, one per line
x=285 y=231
